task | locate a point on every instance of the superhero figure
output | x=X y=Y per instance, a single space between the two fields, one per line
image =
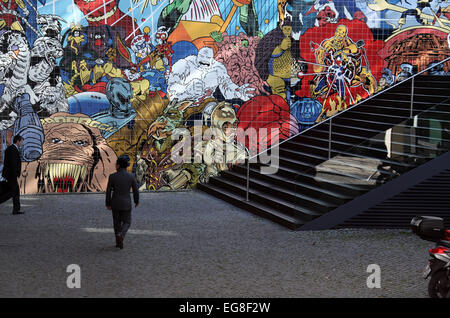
x=163 y=47
x=99 y=12
x=307 y=13
x=342 y=59
x=9 y=16
x=197 y=77
x=149 y=64
x=276 y=57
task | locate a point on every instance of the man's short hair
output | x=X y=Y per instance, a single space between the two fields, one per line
x=123 y=161
x=17 y=138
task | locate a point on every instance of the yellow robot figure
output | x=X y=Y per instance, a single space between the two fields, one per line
x=340 y=57
x=340 y=41
x=222 y=151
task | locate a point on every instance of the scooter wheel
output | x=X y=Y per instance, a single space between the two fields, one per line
x=438 y=285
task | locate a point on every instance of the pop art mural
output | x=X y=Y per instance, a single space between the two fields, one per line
x=87 y=81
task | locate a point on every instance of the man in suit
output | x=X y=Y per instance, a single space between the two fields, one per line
x=11 y=171
x=118 y=198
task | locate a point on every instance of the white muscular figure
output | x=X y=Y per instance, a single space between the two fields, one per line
x=196 y=77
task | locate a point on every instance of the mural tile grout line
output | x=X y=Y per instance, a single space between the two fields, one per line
x=177 y=84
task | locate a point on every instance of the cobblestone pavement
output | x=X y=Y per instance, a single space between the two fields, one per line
x=188 y=244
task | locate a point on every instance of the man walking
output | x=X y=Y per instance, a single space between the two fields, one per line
x=11 y=171
x=119 y=201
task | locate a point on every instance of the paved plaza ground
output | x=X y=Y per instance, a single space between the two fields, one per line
x=189 y=244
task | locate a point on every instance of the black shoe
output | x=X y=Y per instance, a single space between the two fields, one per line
x=120 y=237
x=18 y=212
x=117 y=241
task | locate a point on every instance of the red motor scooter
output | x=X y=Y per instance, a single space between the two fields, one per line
x=432 y=229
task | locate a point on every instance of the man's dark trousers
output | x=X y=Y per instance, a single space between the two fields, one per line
x=11 y=171
x=122 y=221
x=11 y=191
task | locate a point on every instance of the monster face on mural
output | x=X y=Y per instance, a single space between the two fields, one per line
x=160 y=171
x=221 y=150
x=50 y=25
x=86 y=81
x=75 y=157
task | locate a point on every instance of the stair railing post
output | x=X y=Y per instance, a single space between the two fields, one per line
x=412 y=98
x=248 y=178
x=329 y=139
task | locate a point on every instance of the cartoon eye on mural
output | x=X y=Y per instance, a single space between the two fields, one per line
x=161 y=171
x=85 y=81
x=197 y=77
x=10 y=18
x=341 y=64
x=276 y=60
x=222 y=151
x=75 y=158
x=101 y=13
x=18 y=98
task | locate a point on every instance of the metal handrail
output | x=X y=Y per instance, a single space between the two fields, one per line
x=362 y=101
x=331 y=118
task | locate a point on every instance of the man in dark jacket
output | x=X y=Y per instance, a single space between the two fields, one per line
x=11 y=171
x=119 y=201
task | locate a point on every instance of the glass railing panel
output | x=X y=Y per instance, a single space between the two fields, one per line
x=353 y=170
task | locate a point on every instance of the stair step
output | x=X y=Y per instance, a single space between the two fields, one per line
x=296 y=197
x=299 y=164
x=287 y=183
x=294 y=210
x=288 y=221
x=310 y=175
x=349 y=154
x=309 y=181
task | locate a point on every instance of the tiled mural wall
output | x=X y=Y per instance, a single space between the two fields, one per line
x=85 y=81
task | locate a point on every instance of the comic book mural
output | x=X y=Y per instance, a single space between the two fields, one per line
x=187 y=88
